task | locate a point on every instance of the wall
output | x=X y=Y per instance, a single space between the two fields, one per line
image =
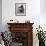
x=43 y=6
x=0 y=14
x=43 y=14
x=33 y=13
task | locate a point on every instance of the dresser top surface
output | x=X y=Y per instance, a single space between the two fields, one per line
x=19 y=23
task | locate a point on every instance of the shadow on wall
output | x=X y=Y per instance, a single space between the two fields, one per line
x=43 y=6
x=0 y=15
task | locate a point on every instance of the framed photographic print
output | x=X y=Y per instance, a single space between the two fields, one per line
x=20 y=9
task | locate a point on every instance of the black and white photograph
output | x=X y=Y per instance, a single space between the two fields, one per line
x=20 y=9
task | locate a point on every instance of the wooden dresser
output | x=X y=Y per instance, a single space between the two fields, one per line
x=22 y=33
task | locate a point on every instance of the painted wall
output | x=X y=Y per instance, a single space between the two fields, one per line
x=0 y=15
x=33 y=13
x=43 y=14
x=43 y=6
